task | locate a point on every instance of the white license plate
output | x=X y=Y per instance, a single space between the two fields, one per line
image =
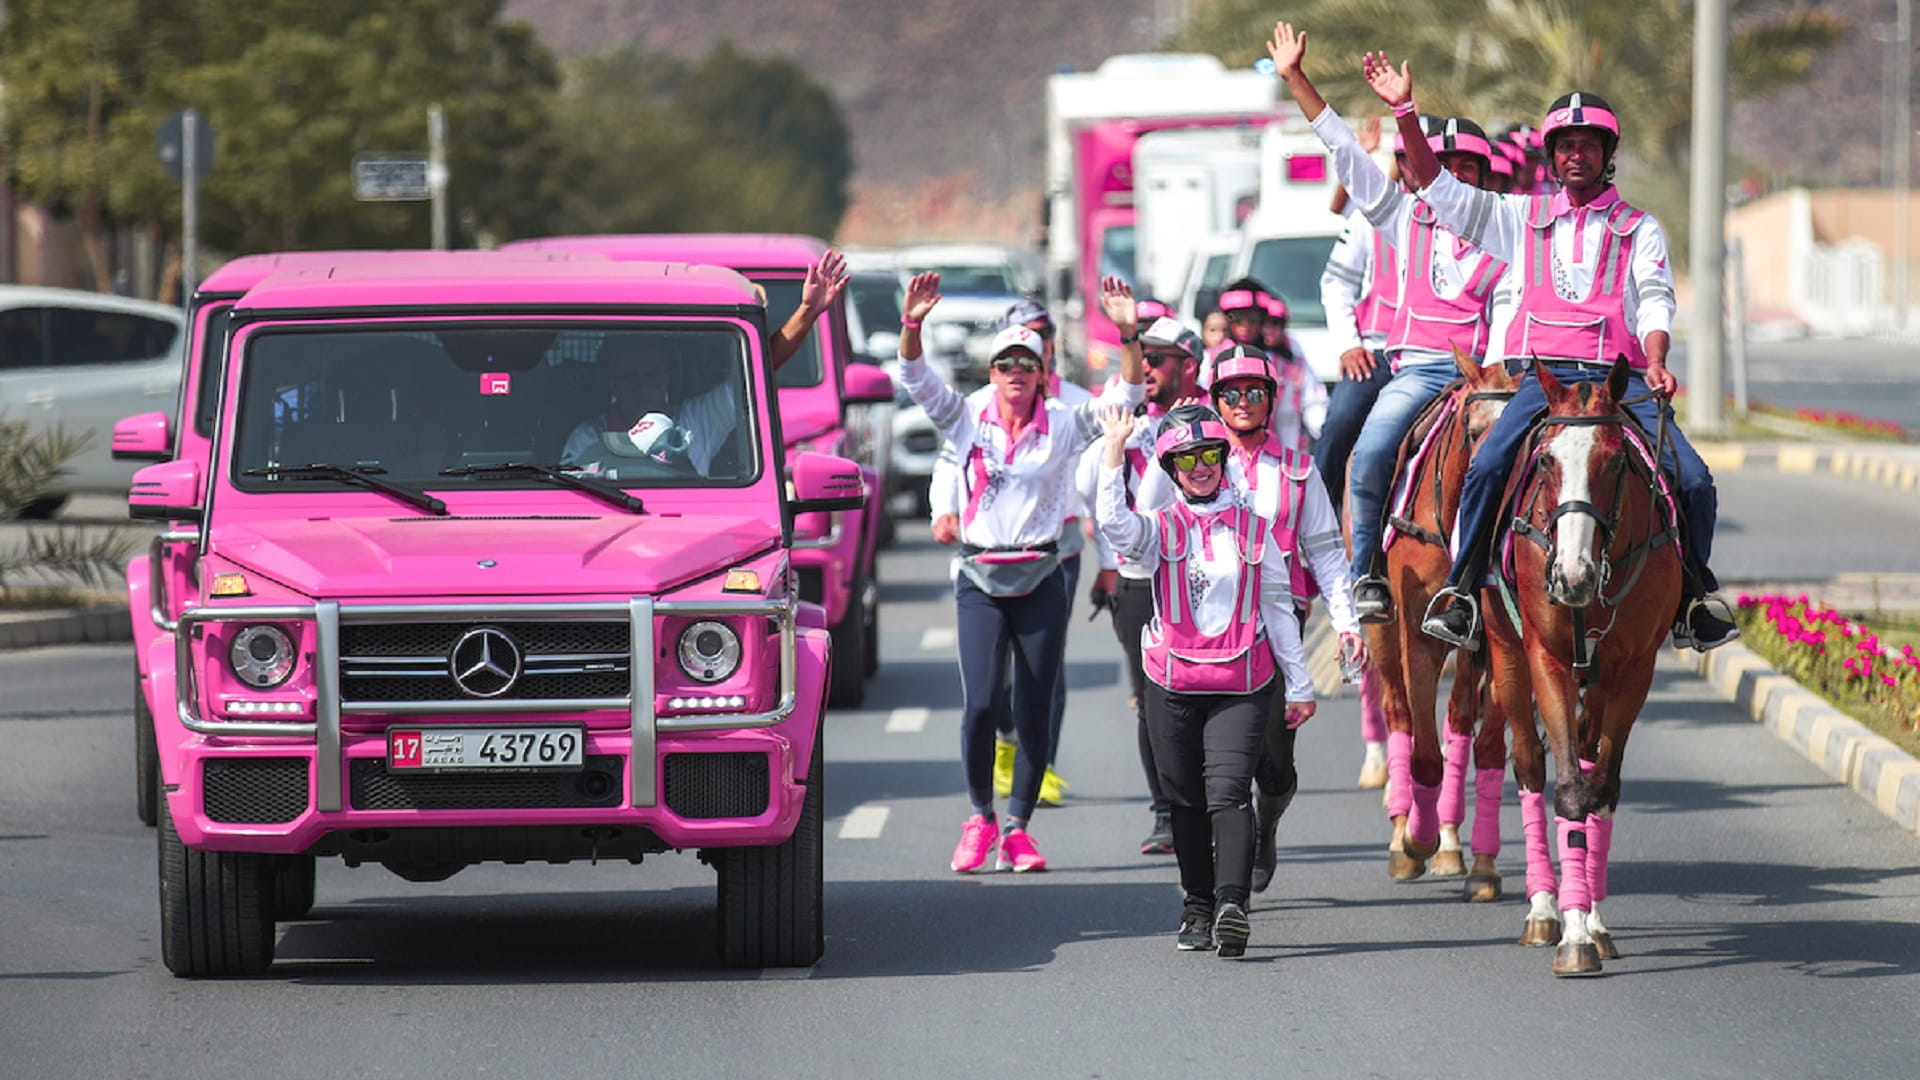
x=443 y=749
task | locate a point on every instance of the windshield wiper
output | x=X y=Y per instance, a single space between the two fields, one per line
x=364 y=475
x=599 y=489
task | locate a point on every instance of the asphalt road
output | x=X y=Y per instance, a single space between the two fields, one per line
x=1769 y=920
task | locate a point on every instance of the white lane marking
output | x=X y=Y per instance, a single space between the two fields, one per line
x=937 y=637
x=864 y=822
x=906 y=720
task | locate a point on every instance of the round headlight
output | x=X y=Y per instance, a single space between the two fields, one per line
x=262 y=656
x=709 y=651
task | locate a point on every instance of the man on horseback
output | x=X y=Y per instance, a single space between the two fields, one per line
x=1592 y=283
x=1445 y=294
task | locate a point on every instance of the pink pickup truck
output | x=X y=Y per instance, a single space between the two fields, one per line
x=441 y=613
x=833 y=554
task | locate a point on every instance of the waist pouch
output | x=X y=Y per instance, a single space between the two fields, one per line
x=1009 y=571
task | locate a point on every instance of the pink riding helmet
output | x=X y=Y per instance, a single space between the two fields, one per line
x=1276 y=308
x=1240 y=300
x=1148 y=310
x=1578 y=110
x=1187 y=436
x=1244 y=362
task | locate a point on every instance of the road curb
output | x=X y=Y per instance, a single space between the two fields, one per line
x=66 y=628
x=1882 y=773
x=1875 y=467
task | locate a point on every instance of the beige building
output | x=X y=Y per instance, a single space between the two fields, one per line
x=1822 y=260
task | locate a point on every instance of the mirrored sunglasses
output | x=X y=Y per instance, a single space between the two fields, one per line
x=1158 y=359
x=1006 y=365
x=1254 y=395
x=1211 y=455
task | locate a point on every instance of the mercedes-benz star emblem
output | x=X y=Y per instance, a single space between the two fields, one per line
x=484 y=662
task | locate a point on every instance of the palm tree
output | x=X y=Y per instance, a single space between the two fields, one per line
x=1505 y=60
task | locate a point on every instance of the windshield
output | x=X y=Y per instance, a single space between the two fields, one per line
x=980 y=279
x=803 y=369
x=659 y=405
x=877 y=301
x=1291 y=266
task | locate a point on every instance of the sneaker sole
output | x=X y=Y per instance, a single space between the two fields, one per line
x=1230 y=935
x=1156 y=849
x=1208 y=947
x=976 y=868
x=1002 y=866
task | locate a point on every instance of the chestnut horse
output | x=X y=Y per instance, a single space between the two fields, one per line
x=1426 y=797
x=1595 y=573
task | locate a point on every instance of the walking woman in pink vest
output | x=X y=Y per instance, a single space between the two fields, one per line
x=1223 y=640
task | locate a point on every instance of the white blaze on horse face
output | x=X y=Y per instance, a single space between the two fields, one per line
x=1572 y=450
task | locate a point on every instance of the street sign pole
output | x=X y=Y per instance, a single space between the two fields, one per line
x=1706 y=355
x=190 y=205
x=437 y=173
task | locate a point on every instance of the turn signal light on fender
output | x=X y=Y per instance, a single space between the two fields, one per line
x=231 y=585
x=742 y=581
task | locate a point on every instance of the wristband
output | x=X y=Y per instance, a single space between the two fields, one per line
x=905 y=325
x=1406 y=109
x=1128 y=339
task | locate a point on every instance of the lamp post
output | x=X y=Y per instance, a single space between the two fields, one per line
x=1708 y=202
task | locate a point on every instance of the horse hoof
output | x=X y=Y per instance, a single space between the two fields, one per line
x=1603 y=941
x=1373 y=775
x=1582 y=959
x=1404 y=867
x=1447 y=864
x=1419 y=851
x=1540 y=932
x=1483 y=888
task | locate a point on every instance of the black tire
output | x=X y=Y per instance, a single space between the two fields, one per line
x=146 y=762
x=848 y=685
x=216 y=913
x=773 y=899
x=42 y=508
x=870 y=636
x=293 y=882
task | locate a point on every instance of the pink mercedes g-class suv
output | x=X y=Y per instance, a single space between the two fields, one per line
x=440 y=615
x=833 y=554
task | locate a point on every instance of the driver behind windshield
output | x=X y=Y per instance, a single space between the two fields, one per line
x=651 y=414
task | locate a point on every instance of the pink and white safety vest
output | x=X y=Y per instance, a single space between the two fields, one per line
x=1591 y=330
x=1274 y=479
x=1426 y=320
x=1176 y=654
x=1377 y=311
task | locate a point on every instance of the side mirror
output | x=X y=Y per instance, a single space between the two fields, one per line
x=825 y=482
x=145 y=437
x=867 y=385
x=169 y=491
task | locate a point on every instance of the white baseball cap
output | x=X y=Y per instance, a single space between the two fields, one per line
x=1017 y=337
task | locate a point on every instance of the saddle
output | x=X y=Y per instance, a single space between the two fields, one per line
x=1418 y=446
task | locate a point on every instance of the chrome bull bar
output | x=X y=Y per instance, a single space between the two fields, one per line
x=644 y=724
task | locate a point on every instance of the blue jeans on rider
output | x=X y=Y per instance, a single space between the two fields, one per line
x=1487 y=477
x=1347 y=406
x=1378 y=449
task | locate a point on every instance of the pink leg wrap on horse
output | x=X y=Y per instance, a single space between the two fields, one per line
x=1574 y=894
x=1599 y=842
x=1423 y=822
x=1486 y=810
x=1373 y=712
x=1399 y=773
x=1453 y=780
x=1533 y=826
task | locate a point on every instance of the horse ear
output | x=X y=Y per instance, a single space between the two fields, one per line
x=1468 y=368
x=1549 y=384
x=1617 y=379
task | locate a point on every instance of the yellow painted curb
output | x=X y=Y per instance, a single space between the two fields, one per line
x=1723 y=458
x=1887 y=795
x=1800 y=459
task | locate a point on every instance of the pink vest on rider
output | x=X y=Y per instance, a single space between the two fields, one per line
x=1176 y=654
x=1377 y=311
x=1430 y=321
x=1593 y=330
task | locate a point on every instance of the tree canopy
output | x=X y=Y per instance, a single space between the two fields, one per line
x=295 y=89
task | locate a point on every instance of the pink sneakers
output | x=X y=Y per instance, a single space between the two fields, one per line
x=1018 y=854
x=977 y=838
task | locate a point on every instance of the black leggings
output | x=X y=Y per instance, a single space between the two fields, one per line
x=1206 y=747
x=993 y=630
x=1132 y=610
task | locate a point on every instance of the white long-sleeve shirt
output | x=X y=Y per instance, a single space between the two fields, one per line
x=1316 y=529
x=1347 y=280
x=1027 y=483
x=1498 y=224
x=946 y=491
x=1390 y=208
x=1216 y=577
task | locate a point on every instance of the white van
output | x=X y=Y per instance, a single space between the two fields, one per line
x=84 y=361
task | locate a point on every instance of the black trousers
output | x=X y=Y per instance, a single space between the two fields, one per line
x=1206 y=747
x=1132 y=610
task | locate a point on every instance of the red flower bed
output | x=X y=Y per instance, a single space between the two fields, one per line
x=1838 y=658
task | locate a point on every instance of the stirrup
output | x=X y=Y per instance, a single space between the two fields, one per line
x=1385 y=613
x=1714 y=605
x=1434 y=626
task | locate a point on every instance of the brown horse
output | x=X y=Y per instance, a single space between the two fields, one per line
x=1423 y=791
x=1595 y=574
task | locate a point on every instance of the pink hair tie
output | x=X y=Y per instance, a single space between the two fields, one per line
x=905 y=325
x=1407 y=108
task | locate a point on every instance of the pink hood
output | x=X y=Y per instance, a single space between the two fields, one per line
x=379 y=557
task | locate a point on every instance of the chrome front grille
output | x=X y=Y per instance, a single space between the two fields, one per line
x=560 y=660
